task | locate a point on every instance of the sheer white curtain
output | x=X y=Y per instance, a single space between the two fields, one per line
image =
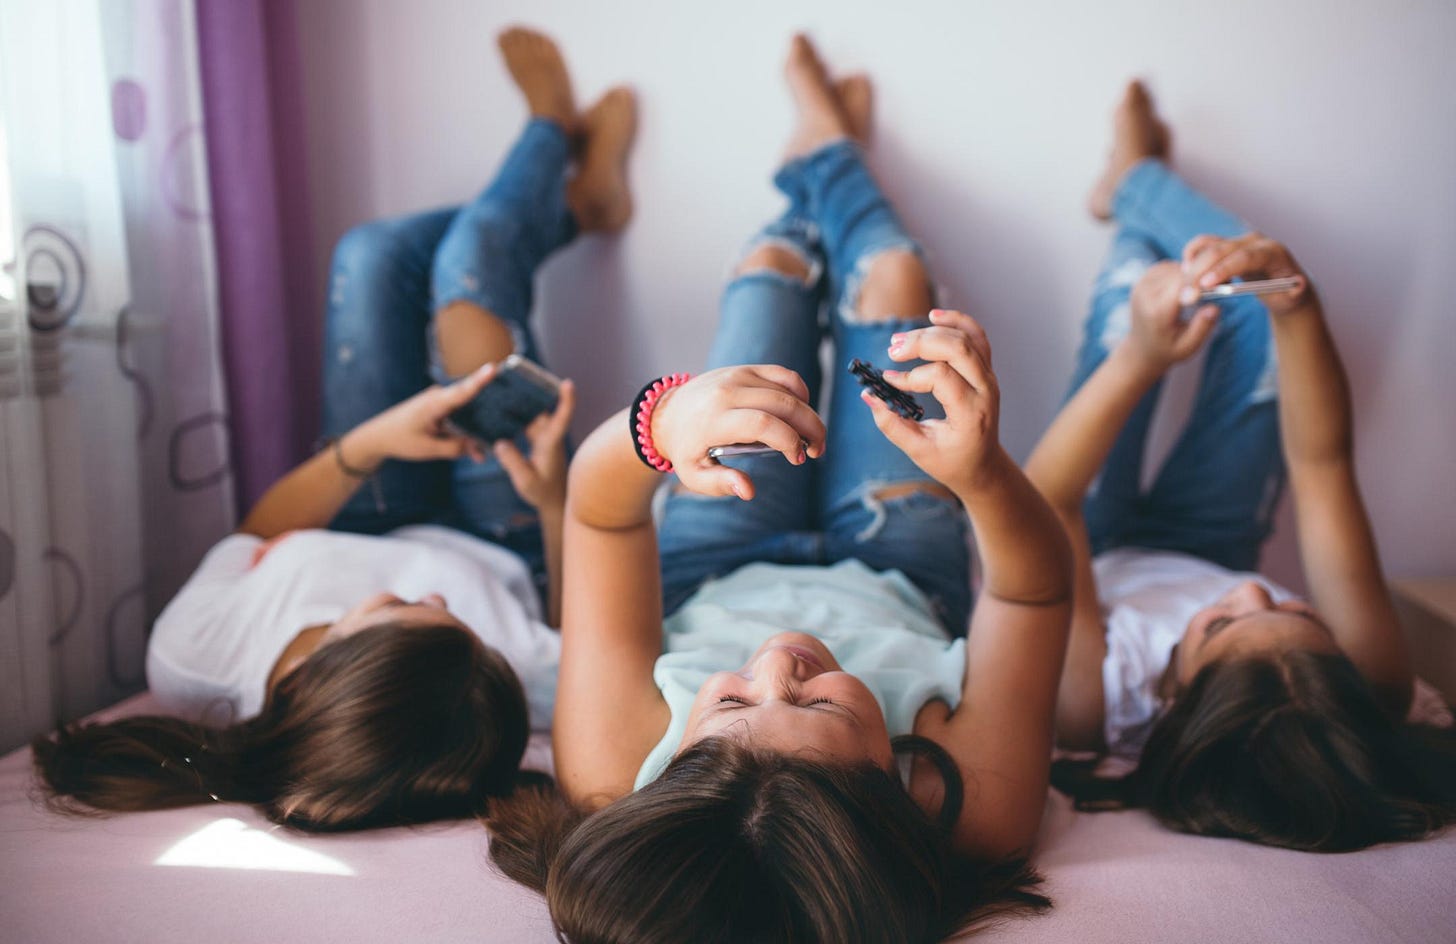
x=114 y=475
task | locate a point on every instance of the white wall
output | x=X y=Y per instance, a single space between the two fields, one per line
x=1331 y=125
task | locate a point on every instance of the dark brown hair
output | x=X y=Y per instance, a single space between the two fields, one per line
x=735 y=843
x=1292 y=750
x=389 y=726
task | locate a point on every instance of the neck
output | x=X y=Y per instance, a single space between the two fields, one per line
x=300 y=647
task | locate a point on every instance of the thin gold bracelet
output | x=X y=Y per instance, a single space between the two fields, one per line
x=336 y=444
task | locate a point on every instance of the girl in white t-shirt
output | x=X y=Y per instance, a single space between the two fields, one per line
x=368 y=656
x=1252 y=713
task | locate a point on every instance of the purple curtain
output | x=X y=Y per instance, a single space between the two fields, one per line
x=271 y=333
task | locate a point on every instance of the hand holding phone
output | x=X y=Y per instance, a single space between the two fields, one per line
x=519 y=392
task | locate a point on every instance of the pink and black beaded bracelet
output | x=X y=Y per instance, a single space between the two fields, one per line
x=639 y=420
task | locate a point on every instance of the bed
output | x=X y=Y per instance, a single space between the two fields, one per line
x=223 y=873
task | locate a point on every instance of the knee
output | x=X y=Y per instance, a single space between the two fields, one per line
x=366 y=248
x=775 y=258
x=895 y=285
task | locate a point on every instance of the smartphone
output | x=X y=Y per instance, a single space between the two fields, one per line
x=873 y=379
x=1261 y=287
x=519 y=392
x=746 y=449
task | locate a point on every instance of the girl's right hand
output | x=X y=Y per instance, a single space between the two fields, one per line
x=742 y=404
x=961 y=449
x=1159 y=335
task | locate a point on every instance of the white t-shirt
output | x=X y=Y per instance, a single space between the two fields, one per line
x=1147 y=599
x=215 y=644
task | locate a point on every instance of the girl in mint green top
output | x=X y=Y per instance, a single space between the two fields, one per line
x=734 y=772
x=877 y=626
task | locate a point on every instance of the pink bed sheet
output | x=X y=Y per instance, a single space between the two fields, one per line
x=223 y=873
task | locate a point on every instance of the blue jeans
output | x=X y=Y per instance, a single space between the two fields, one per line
x=1216 y=494
x=826 y=510
x=388 y=279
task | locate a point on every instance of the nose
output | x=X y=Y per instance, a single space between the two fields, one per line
x=1249 y=597
x=378 y=600
x=433 y=599
x=775 y=670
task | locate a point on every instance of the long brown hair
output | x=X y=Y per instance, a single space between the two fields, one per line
x=389 y=726
x=741 y=844
x=1292 y=750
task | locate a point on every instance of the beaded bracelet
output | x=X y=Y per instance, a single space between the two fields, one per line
x=639 y=420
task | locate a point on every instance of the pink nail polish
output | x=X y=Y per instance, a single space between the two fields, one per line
x=1209 y=279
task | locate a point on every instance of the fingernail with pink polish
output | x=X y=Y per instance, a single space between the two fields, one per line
x=1209 y=279
x=1188 y=296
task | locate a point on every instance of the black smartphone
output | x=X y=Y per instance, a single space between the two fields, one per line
x=873 y=379
x=519 y=392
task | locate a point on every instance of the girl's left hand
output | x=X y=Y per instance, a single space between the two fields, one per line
x=540 y=478
x=415 y=429
x=961 y=449
x=1212 y=260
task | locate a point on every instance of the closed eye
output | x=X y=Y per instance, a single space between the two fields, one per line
x=732 y=698
x=819 y=701
x=1217 y=626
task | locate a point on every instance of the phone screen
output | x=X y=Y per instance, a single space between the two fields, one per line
x=519 y=392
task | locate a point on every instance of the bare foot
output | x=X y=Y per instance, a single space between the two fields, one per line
x=598 y=194
x=856 y=102
x=1136 y=133
x=540 y=73
x=820 y=120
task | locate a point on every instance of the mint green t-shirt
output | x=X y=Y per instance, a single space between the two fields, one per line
x=878 y=625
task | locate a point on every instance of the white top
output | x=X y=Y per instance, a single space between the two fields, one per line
x=215 y=644
x=879 y=627
x=1147 y=599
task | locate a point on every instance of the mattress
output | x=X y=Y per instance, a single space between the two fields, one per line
x=223 y=873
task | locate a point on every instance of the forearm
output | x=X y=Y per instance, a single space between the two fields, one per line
x=1080 y=695
x=551 y=527
x=1314 y=396
x=312 y=494
x=610 y=489
x=1022 y=545
x=1076 y=444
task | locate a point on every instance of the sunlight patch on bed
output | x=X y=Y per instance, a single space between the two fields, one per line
x=232 y=844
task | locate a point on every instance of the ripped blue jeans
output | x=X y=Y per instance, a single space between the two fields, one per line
x=387 y=281
x=1216 y=494
x=826 y=510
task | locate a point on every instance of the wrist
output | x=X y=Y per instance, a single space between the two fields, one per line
x=643 y=416
x=1137 y=364
x=986 y=477
x=360 y=450
x=657 y=428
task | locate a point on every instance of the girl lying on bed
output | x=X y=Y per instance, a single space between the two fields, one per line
x=372 y=674
x=1254 y=714
x=803 y=750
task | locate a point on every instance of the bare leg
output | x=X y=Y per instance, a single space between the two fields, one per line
x=856 y=101
x=598 y=194
x=821 y=118
x=1136 y=134
x=540 y=73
